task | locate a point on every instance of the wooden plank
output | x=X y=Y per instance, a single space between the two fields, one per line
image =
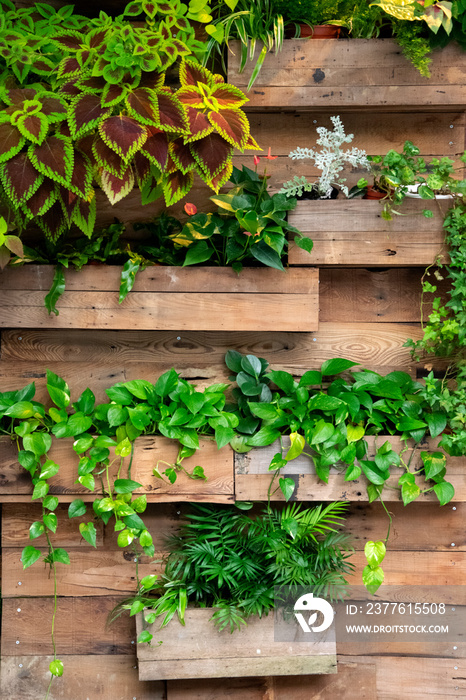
x=91 y=572
x=163 y=311
x=106 y=278
x=354 y=681
x=435 y=134
x=418 y=527
x=415 y=568
x=340 y=73
x=435 y=528
x=370 y=296
x=162 y=519
x=198 y=354
x=81 y=627
x=345 y=63
x=86 y=676
x=199 y=650
x=350 y=232
x=252 y=478
x=420 y=679
x=16 y=519
x=148 y=451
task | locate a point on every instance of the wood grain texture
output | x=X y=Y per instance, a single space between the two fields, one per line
x=340 y=73
x=148 y=452
x=86 y=677
x=362 y=678
x=81 y=627
x=252 y=478
x=199 y=650
x=164 y=311
x=353 y=233
x=370 y=296
x=91 y=572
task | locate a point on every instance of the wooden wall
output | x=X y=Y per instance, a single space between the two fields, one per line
x=365 y=314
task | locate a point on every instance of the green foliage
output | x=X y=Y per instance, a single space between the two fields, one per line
x=225 y=558
x=250 y=226
x=84 y=103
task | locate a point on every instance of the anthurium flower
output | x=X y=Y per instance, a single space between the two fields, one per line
x=190 y=208
x=256 y=160
x=269 y=155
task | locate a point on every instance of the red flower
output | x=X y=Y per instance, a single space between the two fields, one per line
x=256 y=160
x=269 y=156
x=190 y=208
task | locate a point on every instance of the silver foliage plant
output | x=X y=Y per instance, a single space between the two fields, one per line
x=331 y=160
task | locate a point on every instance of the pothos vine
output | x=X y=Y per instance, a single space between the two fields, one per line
x=327 y=416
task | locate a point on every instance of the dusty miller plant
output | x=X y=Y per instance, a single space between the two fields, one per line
x=331 y=160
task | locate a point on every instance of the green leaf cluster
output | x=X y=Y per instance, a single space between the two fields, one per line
x=225 y=558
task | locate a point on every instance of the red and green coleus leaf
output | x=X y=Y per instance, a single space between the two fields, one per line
x=123 y=135
x=53 y=222
x=16 y=96
x=171 y=114
x=70 y=41
x=54 y=158
x=33 y=127
x=251 y=144
x=11 y=141
x=211 y=153
x=140 y=104
x=176 y=185
x=156 y=147
x=70 y=89
x=108 y=159
x=96 y=38
x=54 y=108
x=68 y=201
x=84 y=215
x=221 y=178
x=91 y=85
x=19 y=178
x=229 y=96
x=190 y=95
x=192 y=73
x=68 y=68
x=233 y=125
x=142 y=168
x=152 y=79
x=181 y=156
x=113 y=94
x=42 y=199
x=81 y=177
x=116 y=188
x=85 y=114
x=199 y=125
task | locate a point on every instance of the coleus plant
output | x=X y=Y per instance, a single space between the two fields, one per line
x=102 y=114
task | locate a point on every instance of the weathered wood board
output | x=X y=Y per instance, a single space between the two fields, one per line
x=164 y=298
x=353 y=232
x=149 y=451
x=199 y=650
x=252 y=478
x=340 y=73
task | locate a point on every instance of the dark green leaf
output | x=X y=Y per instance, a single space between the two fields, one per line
x=126 y=485
x=76 y=508
x=29 y=556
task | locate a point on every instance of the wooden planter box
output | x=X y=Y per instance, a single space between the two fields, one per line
x=164 y=298
x=198 y=650
x=252 y=477
x=15 y=482
x=350 y=73
x=353 y=232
